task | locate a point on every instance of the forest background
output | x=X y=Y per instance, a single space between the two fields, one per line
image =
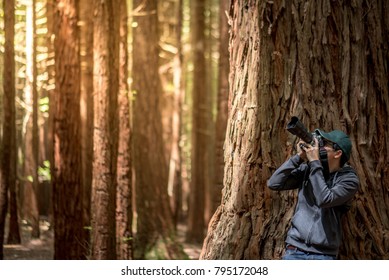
x=125 y=120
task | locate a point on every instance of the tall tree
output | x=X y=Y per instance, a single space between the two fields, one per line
x=155 y=231
x=105 y=135
x=170 y=18
x=86 y=106
x=323 y=61
x=31 y=154
x=175 y=164
x=222 y=106
x=8 y=143
x=200 y=126
x=9 y=148
x=69 y=234
x=50 y=68
x=124 y=215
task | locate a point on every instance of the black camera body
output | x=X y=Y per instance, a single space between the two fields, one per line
x=297 y=128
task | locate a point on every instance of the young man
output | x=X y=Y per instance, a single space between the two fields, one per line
x=315 y=232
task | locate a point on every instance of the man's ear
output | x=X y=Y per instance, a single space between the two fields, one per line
x=338 y=154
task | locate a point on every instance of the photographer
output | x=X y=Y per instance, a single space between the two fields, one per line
x=323 y=198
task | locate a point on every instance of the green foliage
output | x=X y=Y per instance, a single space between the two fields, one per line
x=44 y=104
x=44 y=171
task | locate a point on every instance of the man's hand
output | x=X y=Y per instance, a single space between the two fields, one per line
x=300 y=151
x=311 y=152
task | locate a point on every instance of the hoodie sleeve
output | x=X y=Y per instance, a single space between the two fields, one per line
x=344 y=187
x=288 y=176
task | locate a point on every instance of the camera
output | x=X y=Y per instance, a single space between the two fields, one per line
x=297 y=128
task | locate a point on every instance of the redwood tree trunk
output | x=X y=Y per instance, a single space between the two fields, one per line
x=31 y=153
x=86 y=106
x=8 y=143
x=200 y=127
x=69 y=234
x=124 y=240
x=323 y=61
x=105 y=136
x=9 y=147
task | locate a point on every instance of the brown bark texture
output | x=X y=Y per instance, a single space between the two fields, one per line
x=8 y=141
x=31 y=141
x=86 y=105
x=105 y=136
x=69 y=234
x=9 y=160
x=324 y=61
x=124 y=239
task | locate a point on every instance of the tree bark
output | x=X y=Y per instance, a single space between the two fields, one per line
x=69 y=234
x=86 y=106
x=324 y=62
x=105 y=136
x=124 y=240
x=9 y=148
x=8 y=141
x=31 y=184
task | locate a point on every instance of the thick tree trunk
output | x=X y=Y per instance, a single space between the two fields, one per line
x=106 y=89
x=69 y=234
x=319 y=60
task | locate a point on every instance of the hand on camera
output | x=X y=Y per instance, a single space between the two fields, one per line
x=307 y=151
x=301 y=150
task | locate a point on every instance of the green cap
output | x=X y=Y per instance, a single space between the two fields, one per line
x=338 y=137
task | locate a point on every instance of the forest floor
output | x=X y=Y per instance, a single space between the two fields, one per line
x=42 y=248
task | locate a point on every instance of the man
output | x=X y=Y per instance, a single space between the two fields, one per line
x=315 y=231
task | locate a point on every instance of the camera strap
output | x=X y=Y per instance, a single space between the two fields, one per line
x=324 y=162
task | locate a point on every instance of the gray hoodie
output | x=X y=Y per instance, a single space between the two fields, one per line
x=316 y=224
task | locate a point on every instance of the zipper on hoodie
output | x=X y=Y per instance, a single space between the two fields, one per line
x=310 y=233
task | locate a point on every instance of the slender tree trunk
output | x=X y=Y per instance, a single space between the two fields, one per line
x=106 y=87
x=200 y=127
x=86 y=107
x=8 y=142
x=31 y=185
x=9 y=149
x=302 y=58
x=124 y=242
x=175 y=165
x=69 y=234
x=50 y=68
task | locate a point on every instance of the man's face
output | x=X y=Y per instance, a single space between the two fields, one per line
x=333 y=155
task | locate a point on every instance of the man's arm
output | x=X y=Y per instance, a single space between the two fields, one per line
x=344 y=186
x=288 y=176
